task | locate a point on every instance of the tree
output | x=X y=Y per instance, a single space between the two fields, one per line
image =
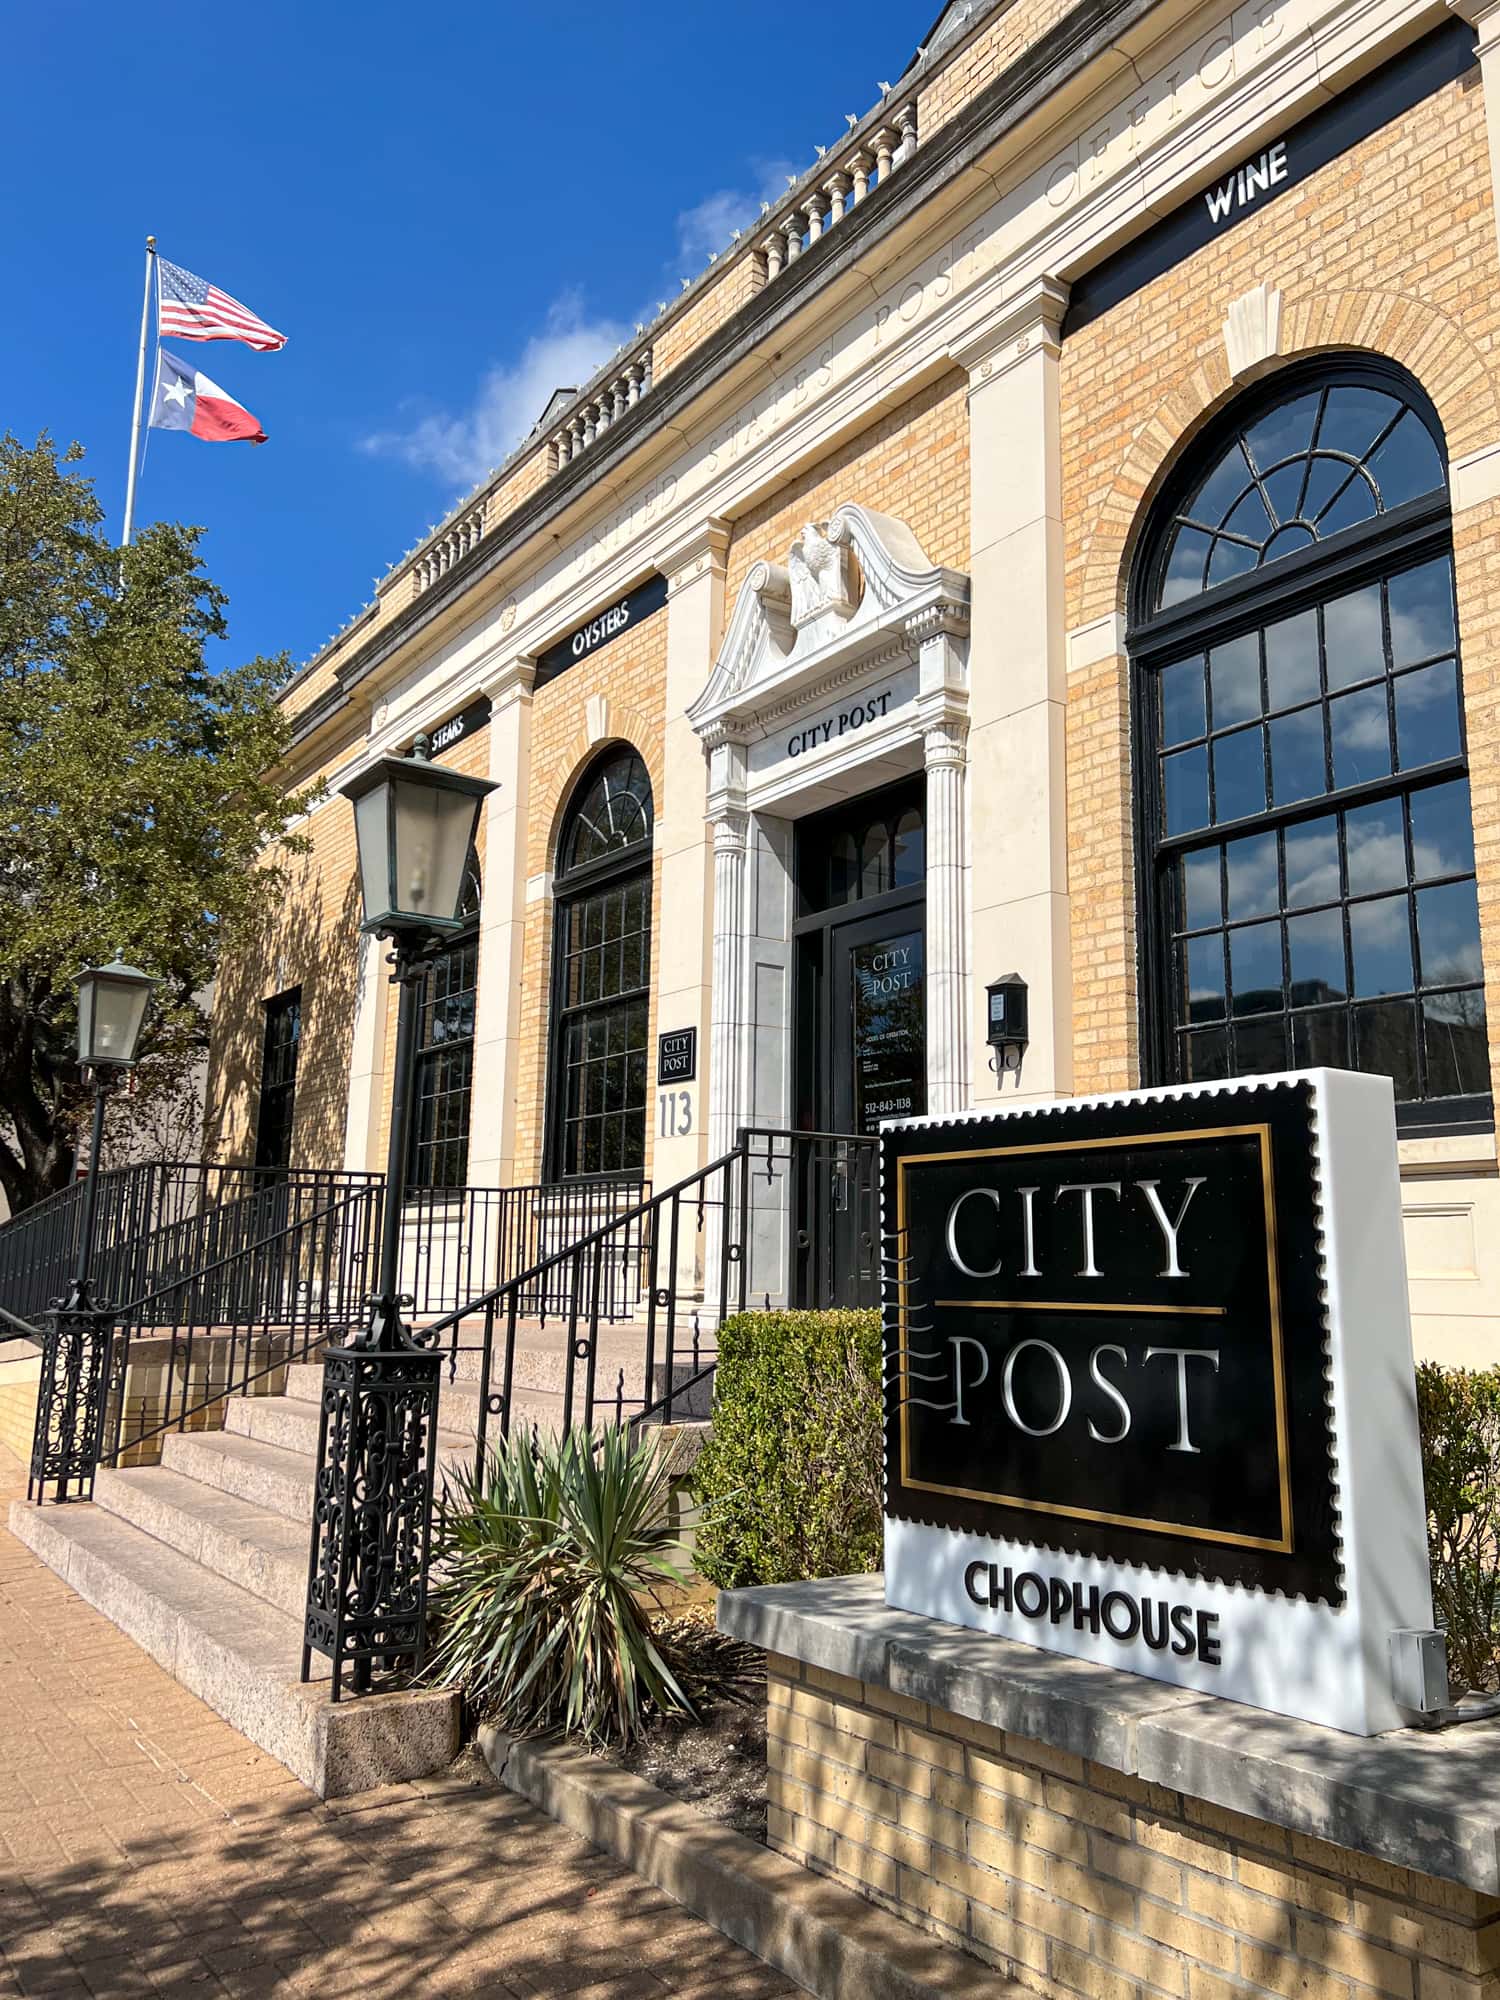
x=138 y=793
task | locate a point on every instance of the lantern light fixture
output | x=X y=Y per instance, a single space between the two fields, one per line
x=112 y=1003
x=414 y=823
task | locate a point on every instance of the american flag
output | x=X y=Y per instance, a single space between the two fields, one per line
x=192 y=309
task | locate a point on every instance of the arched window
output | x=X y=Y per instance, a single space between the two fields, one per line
x=602 y=968
x=443 y=1074
x=1304 y=842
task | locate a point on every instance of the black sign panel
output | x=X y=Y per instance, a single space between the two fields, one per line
x=677 y=1055
x=1356 y=114
x=1108 y=1335
x=457 y=728
x=890 y=1043
x=612 y=623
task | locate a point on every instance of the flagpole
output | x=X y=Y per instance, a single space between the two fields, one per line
x=140 y=389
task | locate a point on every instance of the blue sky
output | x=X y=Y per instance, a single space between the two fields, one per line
x=449 y=210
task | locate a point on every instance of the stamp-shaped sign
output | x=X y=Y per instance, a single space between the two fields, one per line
x=1138 y=1350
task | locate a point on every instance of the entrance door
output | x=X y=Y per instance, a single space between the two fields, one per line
x=861 y=1028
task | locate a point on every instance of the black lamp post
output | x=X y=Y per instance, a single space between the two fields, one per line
x=112 y=1003
x=414 y=823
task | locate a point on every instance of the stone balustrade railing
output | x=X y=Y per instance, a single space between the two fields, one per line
x=833 y=191
x=600 y=408
x=439 y=557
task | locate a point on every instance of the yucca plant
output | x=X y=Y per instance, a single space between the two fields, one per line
x=540 y=1557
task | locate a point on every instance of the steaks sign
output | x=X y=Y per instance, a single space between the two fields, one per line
x=1110 y=1353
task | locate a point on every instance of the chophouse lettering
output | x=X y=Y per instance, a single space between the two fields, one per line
x=1090 y=1337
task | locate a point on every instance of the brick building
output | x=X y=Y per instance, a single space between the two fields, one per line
x=1059 y=538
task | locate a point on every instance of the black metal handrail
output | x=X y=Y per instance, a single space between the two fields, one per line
x=709 y=1226
x=280 y=1297
x=460 y=1243
x=155 y=1221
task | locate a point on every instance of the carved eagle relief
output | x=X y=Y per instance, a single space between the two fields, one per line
x=819 y=572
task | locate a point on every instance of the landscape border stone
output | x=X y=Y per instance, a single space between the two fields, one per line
x=815 y=1931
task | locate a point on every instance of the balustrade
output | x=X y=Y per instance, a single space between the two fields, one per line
x=604 y=407
x=450 y=547
x=830 y=198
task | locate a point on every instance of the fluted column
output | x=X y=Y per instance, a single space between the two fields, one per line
x=731 y=828
x=945 y=755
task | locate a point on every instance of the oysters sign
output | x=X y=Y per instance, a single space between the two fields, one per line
x=1149 y=1394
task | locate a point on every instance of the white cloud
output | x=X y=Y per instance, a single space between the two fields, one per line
x=709 y=223
x=465 y=445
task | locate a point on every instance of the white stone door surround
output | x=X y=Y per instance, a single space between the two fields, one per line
x=842 y=670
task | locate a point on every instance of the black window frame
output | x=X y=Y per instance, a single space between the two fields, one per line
x=573 y=888
x=280 y=1009
x=442 y=1071
x=1398 y=539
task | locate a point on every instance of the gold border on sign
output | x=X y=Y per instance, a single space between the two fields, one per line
x=1261 y=1133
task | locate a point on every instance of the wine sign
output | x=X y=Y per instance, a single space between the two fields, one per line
x=1149 y=1386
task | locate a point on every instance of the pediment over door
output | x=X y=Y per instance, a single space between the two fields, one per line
x=854 y=590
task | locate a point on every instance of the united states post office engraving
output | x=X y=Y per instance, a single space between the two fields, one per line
x=1108 y=1334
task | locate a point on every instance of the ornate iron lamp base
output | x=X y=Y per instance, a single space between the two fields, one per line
x=71 y=1396
x=372 y=1511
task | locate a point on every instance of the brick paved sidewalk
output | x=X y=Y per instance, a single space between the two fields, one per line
x=147 y=1848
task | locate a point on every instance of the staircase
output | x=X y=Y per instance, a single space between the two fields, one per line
x=203 y=1558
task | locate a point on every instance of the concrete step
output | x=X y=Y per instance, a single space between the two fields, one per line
x=239 y=1654
x=264 y=1553
x=265 y=1475
x=540 y=1374
x=291 y=1423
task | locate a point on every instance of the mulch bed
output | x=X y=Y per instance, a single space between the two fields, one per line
x=716 y=1763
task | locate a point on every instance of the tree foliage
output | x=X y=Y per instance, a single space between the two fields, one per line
x=138 y=791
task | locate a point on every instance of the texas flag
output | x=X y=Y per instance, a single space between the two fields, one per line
x=184 y=399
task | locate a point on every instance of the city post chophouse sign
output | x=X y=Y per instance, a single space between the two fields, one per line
x=1107 y=1339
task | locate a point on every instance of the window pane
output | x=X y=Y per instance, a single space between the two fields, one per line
x=1354 y=417
x=1234 y=680
x=1260 y=1045
x=1421 y=602
x=1205 y=977
x=1255 y=968
x=1321 y=1039
x=1458 y=1056
x=1317 y=951
x=1184 y=573
x=1360 y=729
x=1326 y=478
x=1427 y=715
x=1284 y=432
x=1312 y=862
x=1239 y=774
x=1407 y=464
x=1284 y=490
x=1376 y=844
x=1380 y=938
x=1292 y=659
x=1220 y=491
x=1202 y=900
x=1352 y=637
x=1442 y=830
x=1356 y=503
x=1254 y=890
x=1232 y=558
x=1205 y=1056
x=1448 y=934
x=1385 y=1042
x=1185 y=781
x=1182 y=716
x=1297 y=770
x=911 y=864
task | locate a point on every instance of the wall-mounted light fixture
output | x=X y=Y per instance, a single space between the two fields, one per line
x=1006 y=1024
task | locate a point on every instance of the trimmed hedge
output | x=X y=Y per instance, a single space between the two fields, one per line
x=790 y=1478
x=1459 y=1413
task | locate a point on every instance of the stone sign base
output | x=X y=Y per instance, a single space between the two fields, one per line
x=1049 y=1856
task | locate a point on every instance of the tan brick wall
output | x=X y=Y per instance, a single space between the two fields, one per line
x=743 y=279
x=309 y=939
x=1389 y=250
x=914 y=464
x=1078 y=1880
x=631 y=675
x=1007 y=36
